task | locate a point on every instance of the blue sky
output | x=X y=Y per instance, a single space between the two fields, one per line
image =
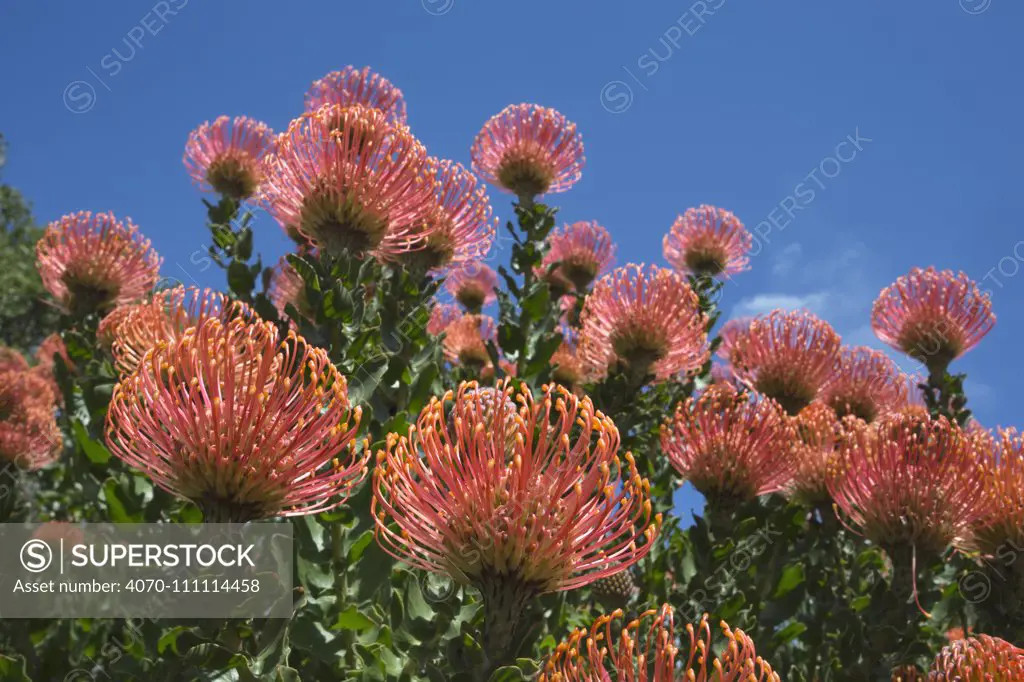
x=742 y=105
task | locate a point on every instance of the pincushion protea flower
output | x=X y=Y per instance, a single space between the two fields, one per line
x=465 y=341
x=908 y=673
x=786 y=355
x=708 y=241
x=51 y=347
x=287 y=286
x=473 y=285
x=363 y=187
x=865 y=383
x=979 y=659
x=29 y=437
x=815 y=435
x=459 y=228
x=529 y=150
x=566 y=366
x=553 y=509
x=645 y=649
x=1002 y=524
x=242 y=422
x=576 y=255
x=226 y=156
x=934 y=317
x=731 y=447
x=106 y=332
x=442 y=315
x=165 y=318
x=911 y=485
x=93 y=262
x=11 y=360
x=643 y=322
x=363 y=87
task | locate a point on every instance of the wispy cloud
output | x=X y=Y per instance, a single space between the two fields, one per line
x=786 y=259
x=764 y=303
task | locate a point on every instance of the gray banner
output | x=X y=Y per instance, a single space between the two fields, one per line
x=63 y=570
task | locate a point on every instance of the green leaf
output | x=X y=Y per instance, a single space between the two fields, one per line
x=243 y=247
x=13 y=669
x=240 y=279
x=792 y=576
x=789 y=633
x=508 y=673
x=352 y=619
x=117 y=508
x=94 y=450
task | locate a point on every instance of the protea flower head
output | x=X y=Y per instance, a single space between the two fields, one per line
x=731 y=446
x=106 y=332
x=473 y=285
x=908 y=673
x=465 y=341
x=577 y=254
x=29 y=437
x=786 y=355
x=865 y=383
x=566 y=366
x=708 y=241
x=363 y=187
x=642 y=321
x=1002 y=524
x=92 y=262
x=552 y=509
x=165 y=318
x=358 y=87
x=647 y=649
x=226 y=156
x=11 y=360
x=909 y=482
x=53 y=345
x=460 y=227
x=932 y=316
x=815 y=435
x=287 y=286
x=276 y=437
x=529 y=150
x=978 y=659
x=442 y=315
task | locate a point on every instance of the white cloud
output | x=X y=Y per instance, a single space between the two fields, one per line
x=765 y=303
x=786 y=259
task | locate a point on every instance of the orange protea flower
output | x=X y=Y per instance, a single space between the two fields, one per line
x=242 y=422
x=226 y=156
x=473 y=285
x=816 y=432
x=707 y=241
x=577 y=254
x=566 y=366
x=732 y=448
x=979 y=659
x=362 y=87
x=442 y=315
x=1002 y=524
x=934 y=317
x=909 y=481
x=106 y=332
x=787 y=356
x=459 y=227
x=865 y=384
x=11 y=360
x=908 y=673
x=287 y=286
x=529 y=150
x=53 y=345
x=553 y=508
x=642 y=321
x=166 y=318
x=351 y=184
x=645 y=649
x=93 y=262
x=29 y=437
x=465 y=341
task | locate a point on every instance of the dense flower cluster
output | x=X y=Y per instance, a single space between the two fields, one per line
x=29 y=437
x=473 y=285
x=708 y=241
x=979 y=659
x=865 y=383
x=358 y=87
x=226 y=156
x=1001 y=527
x=577 y=254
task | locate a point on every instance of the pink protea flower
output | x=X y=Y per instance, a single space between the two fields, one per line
x=465 y=341
x=29 y=437
x=786 y=355
x=1002 y=524
x=529 y=150
x=815 y=435
x=566 y=366
x=12 y=361
x=165 y=319
x=93 y=262
x=358 y=87
x=646 y=649
x=106 y=332
x=226 y=156
x=460 y=227
x=442 y=315
x=267 y=442
x=642 y=322
x=287 y=286
x=731 y=447
x=978 y=659
x=909 y=484
x=708 y=241
x=577 y=254
x=473 y=285
x=553 y=508
x=365 y=186
x=934 y=317
x=865 y=383
x=53 y=345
